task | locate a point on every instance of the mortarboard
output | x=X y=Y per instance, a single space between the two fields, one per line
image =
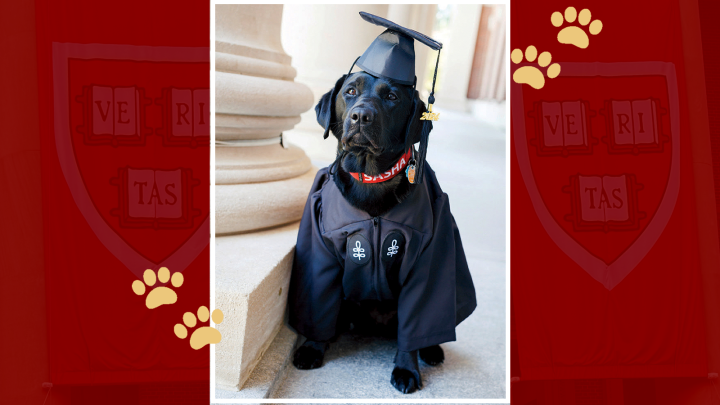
x=392 y=56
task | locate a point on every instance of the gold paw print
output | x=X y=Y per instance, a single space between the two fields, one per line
x=159 y=295
x=204 y=335
x=572 y=34
x=530 y=74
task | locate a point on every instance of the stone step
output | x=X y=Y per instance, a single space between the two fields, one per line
x=252 y=275
x=268 y=375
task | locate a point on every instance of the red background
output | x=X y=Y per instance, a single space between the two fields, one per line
x=74 y=320
x=652 y=339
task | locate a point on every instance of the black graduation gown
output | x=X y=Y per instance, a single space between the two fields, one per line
x=344 y=253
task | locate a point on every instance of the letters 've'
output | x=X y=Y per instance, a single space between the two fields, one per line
x=114 y=110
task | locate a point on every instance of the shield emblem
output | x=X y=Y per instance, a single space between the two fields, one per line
x=599 y=152
x=132 y=132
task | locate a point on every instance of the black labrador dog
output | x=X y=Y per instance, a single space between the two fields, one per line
x=370 y=119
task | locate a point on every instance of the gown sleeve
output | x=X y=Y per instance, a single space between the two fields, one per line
x=437 y=292
x=315 y=292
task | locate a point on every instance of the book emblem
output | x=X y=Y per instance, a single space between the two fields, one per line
x=114 y=116
x=154 y=198
x=604 y=203
x=185 y=117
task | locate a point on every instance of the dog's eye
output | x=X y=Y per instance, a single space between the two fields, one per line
x=391 y=96
x=351 y=92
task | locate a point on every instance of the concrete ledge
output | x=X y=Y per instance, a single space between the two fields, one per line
x=270 y=372
x=251 y=285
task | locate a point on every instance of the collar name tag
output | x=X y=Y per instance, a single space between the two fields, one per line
x=394 y=171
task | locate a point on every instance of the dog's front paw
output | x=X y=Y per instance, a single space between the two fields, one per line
x=309 y=356
x=405 y=381
x=406 y=375
x=433 y=355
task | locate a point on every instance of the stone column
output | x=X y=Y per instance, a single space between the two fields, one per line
x=261 y=185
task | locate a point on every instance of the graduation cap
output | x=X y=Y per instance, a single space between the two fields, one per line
x=392 y=56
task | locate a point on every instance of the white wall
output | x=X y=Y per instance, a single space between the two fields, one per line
x=458 y=56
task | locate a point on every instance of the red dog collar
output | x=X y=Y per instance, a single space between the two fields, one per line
x=394 y=171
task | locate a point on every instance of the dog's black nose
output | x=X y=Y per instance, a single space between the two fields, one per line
x=363 y=116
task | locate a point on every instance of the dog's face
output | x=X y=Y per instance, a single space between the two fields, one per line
x=374 y=113
x=369 y=115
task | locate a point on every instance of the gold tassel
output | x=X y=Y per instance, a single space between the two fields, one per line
x=429 y=115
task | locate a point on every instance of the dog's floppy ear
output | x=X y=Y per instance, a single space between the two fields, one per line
x=325 y=108
x=415 y=124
